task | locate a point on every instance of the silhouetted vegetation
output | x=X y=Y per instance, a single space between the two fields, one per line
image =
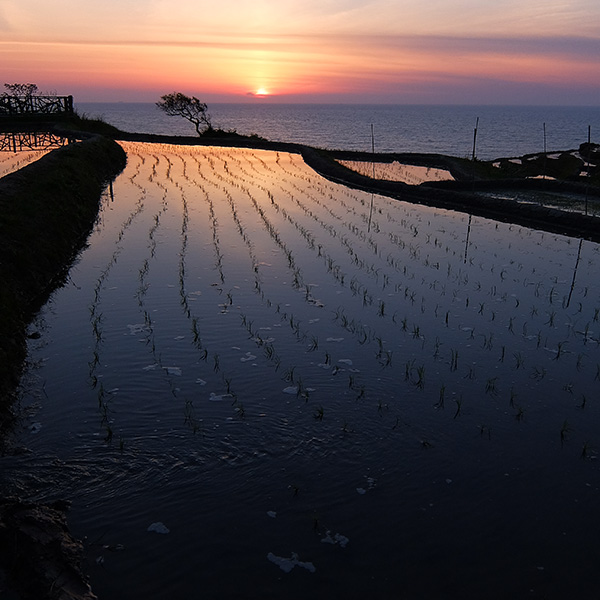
x=188 y=107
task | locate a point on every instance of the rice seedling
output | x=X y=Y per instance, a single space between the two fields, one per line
x=420 y=382
x=585 y=450
x=520 y=414
x=408 y=368
x=518 y=360
x=289 y=374
x=453 y=359
x=458 y=402
x=559 y=349
x=385 y=358
x=441 y=397
x=491 y=386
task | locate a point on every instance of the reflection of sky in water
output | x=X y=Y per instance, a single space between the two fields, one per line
x=395 y=171
x=235 y=341
x=13 y=161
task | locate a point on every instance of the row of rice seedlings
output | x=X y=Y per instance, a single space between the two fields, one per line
x=104 y=407
x=518 y=361
x=503 y=276
x=97 y=318
x=294 y=324
x=381 y=307
x=331 y=265
x=13 y=161
x=270 y=351
x=269 y=348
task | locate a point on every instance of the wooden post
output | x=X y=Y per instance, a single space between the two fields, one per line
x=475 y=136
x=588 y=167
x=545 y=152
x=373 y=165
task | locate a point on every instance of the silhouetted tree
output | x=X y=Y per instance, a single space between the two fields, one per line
x=190 y=108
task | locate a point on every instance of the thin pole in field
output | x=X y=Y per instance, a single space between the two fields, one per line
x=373 y=165
x=587 y=185
x=467 y=239
x=373 y=149
x=475 y=137
x=545 y=151
x=574 y=273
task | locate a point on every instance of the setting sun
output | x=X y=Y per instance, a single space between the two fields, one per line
x=261 y=92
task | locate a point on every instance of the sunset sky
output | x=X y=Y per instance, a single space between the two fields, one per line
x=384 y=51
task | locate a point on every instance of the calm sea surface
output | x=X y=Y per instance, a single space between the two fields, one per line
x=502 y=131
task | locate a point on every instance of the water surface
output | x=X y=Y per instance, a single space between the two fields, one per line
x=391 y=400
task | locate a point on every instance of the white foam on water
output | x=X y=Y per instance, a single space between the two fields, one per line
x=219 y=397
x=137 y=328
x=247 y=357
x=200 y=381
x=337 y=538
x=291 y=389
x=180 y=337
x=158 y=527
x=371 y=481
x=152 y=367
x=173 y=371
x=287 y=564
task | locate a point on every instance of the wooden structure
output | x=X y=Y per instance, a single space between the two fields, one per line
x=12 y=106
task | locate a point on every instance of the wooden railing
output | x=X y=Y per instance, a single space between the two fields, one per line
x=35 y=105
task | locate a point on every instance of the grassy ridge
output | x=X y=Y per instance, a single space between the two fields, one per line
x=47 y=210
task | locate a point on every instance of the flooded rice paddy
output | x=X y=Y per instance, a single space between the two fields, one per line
x=251 y=386
x=395 y=171
x=13 y=161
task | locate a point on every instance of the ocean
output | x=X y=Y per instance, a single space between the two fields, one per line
x=502 y=131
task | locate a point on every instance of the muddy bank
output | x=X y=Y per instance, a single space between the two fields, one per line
x=40 y=556
x=47 y=210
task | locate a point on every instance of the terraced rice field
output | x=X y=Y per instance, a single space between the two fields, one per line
x=261 y=383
